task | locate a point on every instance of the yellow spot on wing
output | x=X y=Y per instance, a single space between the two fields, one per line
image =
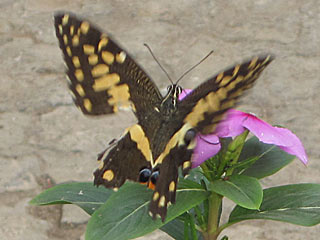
x=115 y=108
x=75 y=40
x=172 y=186
x=76 y=61
x=233 y=84
x=162 y=201
x=186 y=164
x=256 y=67
x=60 y=29
x=71 y=30
x=65 y=19
x=266 y=60
x=119 y=94
x=220 y=76
x=155 y=196
x=108 y=175
x=137 y=135
x=236 y=70
x=225 y=81
x=133 y=107
x=88 y=49
x=79 y=75
x=84 y=27
x=80 y=90
x=65 y=39
x=101 y=164
x=105 y=82
x=99 y=70
x=107 y=57
x=69 y=51
x=222 y=93
x=121 y=57
x=87 y=104
x=253 y=63
x=93 y=59
x=103 y=42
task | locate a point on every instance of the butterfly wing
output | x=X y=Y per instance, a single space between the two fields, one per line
x=200 y=112
x=205 y=106
x=123 y=162
x=103 y=77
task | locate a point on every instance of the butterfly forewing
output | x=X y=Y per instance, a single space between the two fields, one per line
x=204 y=108
x=103 y=77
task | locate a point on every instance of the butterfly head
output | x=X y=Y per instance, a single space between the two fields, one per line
x=169 y=102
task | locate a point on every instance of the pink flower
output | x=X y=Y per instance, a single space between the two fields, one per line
x=234 y=124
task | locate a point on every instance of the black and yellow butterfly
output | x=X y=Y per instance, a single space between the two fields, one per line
x=103 y=78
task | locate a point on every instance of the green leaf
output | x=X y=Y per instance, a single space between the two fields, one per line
x=125 y=214
x=298 y=204
x=175 y=229
x=244 y=191
x=196 y=175
x=83 y=194
x=271 y=158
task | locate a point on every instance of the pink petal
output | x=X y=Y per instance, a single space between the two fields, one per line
x=184 y=93
x=281 y=137
x=267 y=133
x=298 y=151
x=207 y=146
x=232 y=125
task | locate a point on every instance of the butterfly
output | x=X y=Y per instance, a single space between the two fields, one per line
x=104 y=78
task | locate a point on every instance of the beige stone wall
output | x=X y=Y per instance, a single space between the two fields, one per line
x=43 y=136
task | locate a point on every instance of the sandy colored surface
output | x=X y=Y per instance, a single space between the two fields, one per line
x=45 y=139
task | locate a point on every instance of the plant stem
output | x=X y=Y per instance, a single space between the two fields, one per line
x=213 y=217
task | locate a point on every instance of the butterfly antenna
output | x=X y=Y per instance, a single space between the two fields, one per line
x=154 y=57
x=182 y=76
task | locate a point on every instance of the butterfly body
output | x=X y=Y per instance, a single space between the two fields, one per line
x=104 y=78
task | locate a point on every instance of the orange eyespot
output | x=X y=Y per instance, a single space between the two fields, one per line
x=151 y=185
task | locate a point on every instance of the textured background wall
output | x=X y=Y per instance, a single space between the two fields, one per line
x=43 y=136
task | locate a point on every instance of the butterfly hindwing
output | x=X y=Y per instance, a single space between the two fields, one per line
x=123 y=162
x=165 y=191
x=103 y=77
